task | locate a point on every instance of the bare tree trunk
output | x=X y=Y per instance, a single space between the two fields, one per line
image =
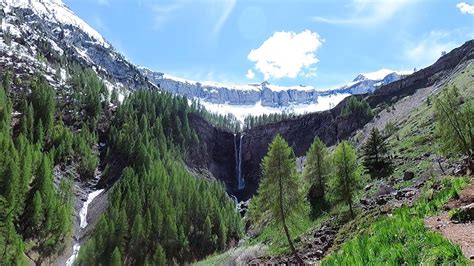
x=287 y=233
x=350 y=207
x=440 y=166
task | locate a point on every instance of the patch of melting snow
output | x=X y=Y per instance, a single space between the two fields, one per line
x=323 y=103
x=83 y=211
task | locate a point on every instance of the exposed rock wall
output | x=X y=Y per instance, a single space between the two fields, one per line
x=298 y=132
x=265 y=93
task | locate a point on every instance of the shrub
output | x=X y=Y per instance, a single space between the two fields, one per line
x=357 y=107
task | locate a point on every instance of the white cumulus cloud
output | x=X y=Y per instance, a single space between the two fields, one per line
x=465 y=8
x=286 y=54
x=430 y=47
x=250 y=74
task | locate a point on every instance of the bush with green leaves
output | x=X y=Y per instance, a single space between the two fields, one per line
x=454 y=122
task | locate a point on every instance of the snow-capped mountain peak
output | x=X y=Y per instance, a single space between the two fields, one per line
x=376 y=75
x=56 y=11
x=40 y=33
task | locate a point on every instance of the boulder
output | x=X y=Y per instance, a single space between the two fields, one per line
x=319 y=253
x=364 y=201
x=384 y=189
x=408 y=175
x=468 y=210
x=381 y=200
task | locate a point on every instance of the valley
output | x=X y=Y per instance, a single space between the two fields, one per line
x=104 y=162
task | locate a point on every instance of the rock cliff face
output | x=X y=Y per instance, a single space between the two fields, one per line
x=267 y=94
x=299 y=132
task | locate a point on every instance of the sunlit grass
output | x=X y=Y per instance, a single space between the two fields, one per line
x=402 y=238
x=273 y=234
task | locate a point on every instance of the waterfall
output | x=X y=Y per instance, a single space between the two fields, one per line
x=236 y=159
x=82 y=224
x=83 y=212
x=75 y=252
x=238 y=163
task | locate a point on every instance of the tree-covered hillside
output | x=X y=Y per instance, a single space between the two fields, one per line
x=157 y=211
x=47 y=134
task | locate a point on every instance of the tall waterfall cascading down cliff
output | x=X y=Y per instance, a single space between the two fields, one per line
x=238 y=163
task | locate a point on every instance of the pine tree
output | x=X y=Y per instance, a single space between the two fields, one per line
x=279 y=193
x=43 y=100
x=39 y=133
x=375 y=152
x=207 y=234
x=346 y=174
x=222 y=236
x=454 y=123
x=11 y=245
x=26 y=165
x=116 y=259
x=5 y=110
x=38 y=214
x=114 y=98
x=159 y=258
x=137 y=238
x=316 y=168
x=7 y=80
x=29 y=122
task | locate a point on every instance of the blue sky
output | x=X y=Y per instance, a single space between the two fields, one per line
x=312 y=42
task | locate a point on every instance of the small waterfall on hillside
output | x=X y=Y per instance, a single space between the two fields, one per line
x=238 y=163
x=83 y=221
x=83 y=224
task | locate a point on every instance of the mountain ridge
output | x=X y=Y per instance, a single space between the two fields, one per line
x=264 y=92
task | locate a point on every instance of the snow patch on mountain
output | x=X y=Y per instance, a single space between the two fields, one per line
x=256 y=95
x=57 y=11
x=380 y=74
x=325 y=102
x=45 y=36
